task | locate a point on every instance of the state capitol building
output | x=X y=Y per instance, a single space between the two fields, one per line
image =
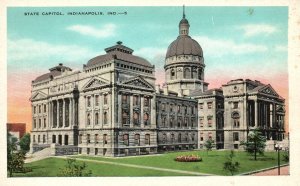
x=113 y=107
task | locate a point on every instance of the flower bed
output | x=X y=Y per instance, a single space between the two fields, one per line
x=188 y=158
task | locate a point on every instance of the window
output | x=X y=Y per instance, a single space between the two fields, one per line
x=187 y=73
x=125 y=99
x=185 y=109
x=124 y=117
x=97 y=100
x=45 y=108
x=201 y=136
x=45 y=122
x=209 y=105
x=88 y=138
x=146 y=101
x=172 y=138
x=171 y=122
x=179 y=122
x=126 y=139
x=33 y=138
x=193 y=110
x=87 y=150
x=137 y=139
x=164 y=138
x=236 y=136
x=40 y=109
x=53 y=139
x=209 y=121
x=235 y=105
x=236 y=120
x=96 y=151
x=96 y=118
x=193 y=137
x=186 y=122
x=39 y=138
x=146 y=119
x=172 y=74
x=135 y=100
x=104 y=139
x=34 y=109
x=105 y=117
x=171 y=108
x=44 y=138
x=199 y=73
x=179 y=138
x=88 y=101
x=163 y=106
x=96 y=139
x=236 y=146
x=209 y=135
x=80 y=139
x=178 y=108
x=201 y=121
x=200 y=105
x=136 y=118
x=34 y=123
x=163 y=121
x=147 y=139
x=40 y=123
x=192 y=122
x=186 y=137
x=105 y=99
x=88 y=117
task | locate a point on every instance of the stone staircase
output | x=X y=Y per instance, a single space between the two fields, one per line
x=39 y=155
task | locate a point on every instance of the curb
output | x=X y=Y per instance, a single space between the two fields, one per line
x=261 y=170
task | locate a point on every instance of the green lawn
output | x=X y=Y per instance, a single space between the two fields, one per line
x=211 y=164
x=50 y=167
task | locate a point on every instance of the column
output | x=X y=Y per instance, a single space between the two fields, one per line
x=131 y=111
x=57 y=113
x=255 y=113
x=93 y=111
x=70 y=111
x=152 y=112
x=64 y=113
x=119 y=110
x=142 y=112
x=271 y=115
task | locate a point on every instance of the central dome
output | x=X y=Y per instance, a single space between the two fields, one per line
x=184 y=45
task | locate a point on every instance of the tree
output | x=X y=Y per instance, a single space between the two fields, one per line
x=74 y=169
x=209 y=144
x=25 y=143
x=15 y=160
x=231 y=166
x=256 y=143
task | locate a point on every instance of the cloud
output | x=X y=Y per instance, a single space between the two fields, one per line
x=221 y=47
x=154 y=55
x=28 y=53
x=107 y=30
x=281 y=48
x=257 y=29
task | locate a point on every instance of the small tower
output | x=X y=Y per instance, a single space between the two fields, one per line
x=184 y=63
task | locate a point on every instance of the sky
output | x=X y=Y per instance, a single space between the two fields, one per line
x=237 y=42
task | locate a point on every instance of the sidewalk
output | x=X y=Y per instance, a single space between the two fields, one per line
x=273 y=172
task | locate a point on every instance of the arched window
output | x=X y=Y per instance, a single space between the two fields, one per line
x=96 y=118
x=179 y=137
x=187 y=73
x=104 y=139
x=164 y=138
x=124 y=117
x=179 y=122
x=105 y=117
x=172 y=74
x=126 y=139
x=147 y=139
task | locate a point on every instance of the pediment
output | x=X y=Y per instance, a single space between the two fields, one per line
x=38 y=96
x=95 y=83
x=268 y=89
x=138 y=82
x=280 y=108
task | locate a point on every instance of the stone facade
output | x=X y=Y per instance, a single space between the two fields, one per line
x=113 y=107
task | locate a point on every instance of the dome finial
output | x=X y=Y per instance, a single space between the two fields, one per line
x=183 y=15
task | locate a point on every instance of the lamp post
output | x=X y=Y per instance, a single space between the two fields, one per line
x=278 y=148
